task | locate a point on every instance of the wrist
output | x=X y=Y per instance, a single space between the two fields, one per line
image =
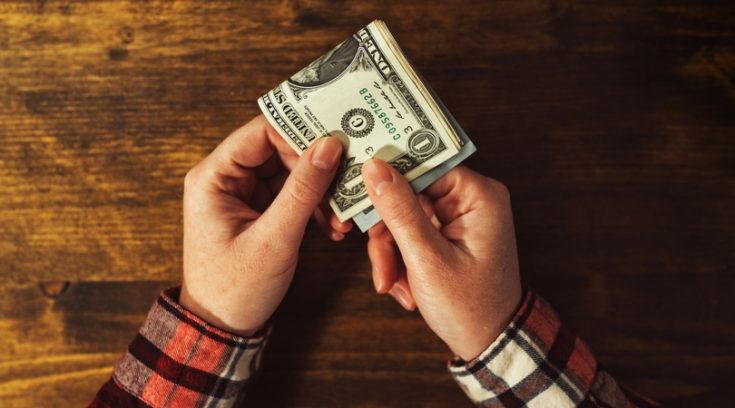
x=488 y=330
x=212 y=316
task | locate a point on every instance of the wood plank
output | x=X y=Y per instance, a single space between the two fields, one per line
x=334 y=339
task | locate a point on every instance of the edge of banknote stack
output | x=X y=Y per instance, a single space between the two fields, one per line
x=368 y=94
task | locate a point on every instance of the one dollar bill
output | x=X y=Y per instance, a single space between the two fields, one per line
x=367 y=94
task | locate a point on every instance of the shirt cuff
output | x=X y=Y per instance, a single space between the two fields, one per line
x=178 y=359
x=536 y=357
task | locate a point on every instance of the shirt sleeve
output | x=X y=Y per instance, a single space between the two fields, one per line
x=179 y=360
x=537 y=361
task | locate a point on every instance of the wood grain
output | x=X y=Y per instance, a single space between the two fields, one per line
x=611 y=123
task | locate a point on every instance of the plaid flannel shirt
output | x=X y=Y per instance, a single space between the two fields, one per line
x=539 y=362
x=179 y=360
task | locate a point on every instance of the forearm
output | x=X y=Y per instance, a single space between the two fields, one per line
x=178 y=359
x=538 y=358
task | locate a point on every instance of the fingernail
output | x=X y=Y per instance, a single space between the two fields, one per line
x=378 y=282
x=401 y=296
x=327 y=153
x=379 y=175
x=337 y=236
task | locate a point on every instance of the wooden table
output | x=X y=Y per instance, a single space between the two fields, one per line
x=613 y=126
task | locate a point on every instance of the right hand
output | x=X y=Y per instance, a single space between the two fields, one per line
x=450 y=252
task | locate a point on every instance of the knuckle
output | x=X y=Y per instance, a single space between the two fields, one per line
x=500 y=189
x=303 y=192
x=467 y=175
x=190 y=178
x=497 y=191
x=463 y=172
x=403 y=213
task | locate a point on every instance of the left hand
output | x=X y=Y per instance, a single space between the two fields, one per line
x=244 y=219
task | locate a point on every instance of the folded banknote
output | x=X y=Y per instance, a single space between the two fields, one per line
x=366 y=93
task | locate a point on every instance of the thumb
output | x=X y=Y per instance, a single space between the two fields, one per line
x=303 y=190
x=397 y=204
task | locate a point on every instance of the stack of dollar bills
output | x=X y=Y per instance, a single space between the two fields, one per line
x=366 y=93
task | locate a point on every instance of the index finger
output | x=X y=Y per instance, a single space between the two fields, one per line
x=249 y=147
x=447 y=183
x=454 y=193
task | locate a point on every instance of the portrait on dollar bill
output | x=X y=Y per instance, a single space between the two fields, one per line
x=327 y=67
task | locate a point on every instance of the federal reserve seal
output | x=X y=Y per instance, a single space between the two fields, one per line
x=358 y=122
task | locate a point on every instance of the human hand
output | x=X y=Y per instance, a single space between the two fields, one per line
x=450 y=252
x=244 y=219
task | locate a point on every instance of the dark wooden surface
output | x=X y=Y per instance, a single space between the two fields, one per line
x=612 y=124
